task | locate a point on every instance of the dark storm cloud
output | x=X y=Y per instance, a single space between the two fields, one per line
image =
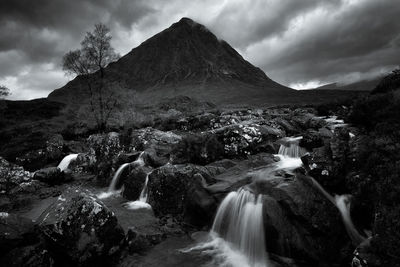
x=293 y=41
x=332 y=42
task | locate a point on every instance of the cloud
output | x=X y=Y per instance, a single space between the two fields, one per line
x=295 y=42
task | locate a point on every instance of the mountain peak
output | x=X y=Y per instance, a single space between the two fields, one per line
x=188 y=21
x=188 y=59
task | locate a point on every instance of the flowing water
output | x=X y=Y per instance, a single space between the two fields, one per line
x=112 y=189
x=237 y=235
x=342 y=202
x=291 y=148
x=290 y=158
x=66 y=161
x=141 y=203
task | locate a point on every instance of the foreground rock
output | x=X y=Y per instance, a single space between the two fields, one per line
x=299 y=222
x=51 y=176
x=80 y=230
x=179 y=190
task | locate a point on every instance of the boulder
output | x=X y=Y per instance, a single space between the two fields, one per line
x=177 y=190
x=35 y=255
x=15 y=231
x=138 y=241
x=50 y=153
x=51 y=176
x=12 y=176
x=80 y=230
x=248 y=139
x=134 y=181
x=311 y=139
x=104 y=148
x=299 y=222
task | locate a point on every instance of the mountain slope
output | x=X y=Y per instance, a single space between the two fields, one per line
x=185 y=59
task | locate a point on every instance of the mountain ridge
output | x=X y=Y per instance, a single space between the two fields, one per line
x=184 y=59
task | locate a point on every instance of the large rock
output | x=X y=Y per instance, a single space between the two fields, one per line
x=134 y=181
x=159 y=144
x=35 y=255
x=51 y=153
x=104 y=149
x=248 y=139
x=80 y=230
x=15 y=231
x=12 y=176
x=179 y=190
x=299 y=222
x=51 y=176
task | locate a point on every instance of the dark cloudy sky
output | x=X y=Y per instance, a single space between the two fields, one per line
x=299 y=43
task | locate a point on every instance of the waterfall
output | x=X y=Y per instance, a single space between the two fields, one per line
x=290 y=147
x=237 y=234
x=115 y=179
x=66 y=161
x=112 y=188
x=342 y=203
x=143 y=193
x=141 y=203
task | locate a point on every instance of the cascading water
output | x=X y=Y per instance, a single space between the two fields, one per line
x=66 y=161
x=141 y=203
x=237 y=234
x=290 y=153
x=115 y=179
x=143 y=193
x=239 y=221
x=291 y=148
x=112 y=189
x=342 y=202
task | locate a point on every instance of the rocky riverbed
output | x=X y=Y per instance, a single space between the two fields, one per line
x=55 y=217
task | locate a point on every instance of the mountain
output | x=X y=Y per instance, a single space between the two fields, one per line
x=185 y=59
x=363 y=85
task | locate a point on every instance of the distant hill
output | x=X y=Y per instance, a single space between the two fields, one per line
x=185 y=59
x=365 y=85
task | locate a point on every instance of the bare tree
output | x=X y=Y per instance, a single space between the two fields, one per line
x=90 y=62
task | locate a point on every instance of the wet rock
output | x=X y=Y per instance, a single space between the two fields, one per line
x=176 y=190
x=200 y=148
x=162 y=142
x=134 y=181
x=299 y=222
x=138 y=241
x=15 y=231
x=240 y=140
x=79 y=229
x=364 y=256
x=51 y=153
x=311 y=139
x=29 y=256
x=12 y=176
x=104 y=148
x=51 y=176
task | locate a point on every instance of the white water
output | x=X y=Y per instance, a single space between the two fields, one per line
x=291 y=148
x=342 y=202
x=143 y=193
x=66 y=161
x=141 y=203
x=112 y=189
x=237 y=235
